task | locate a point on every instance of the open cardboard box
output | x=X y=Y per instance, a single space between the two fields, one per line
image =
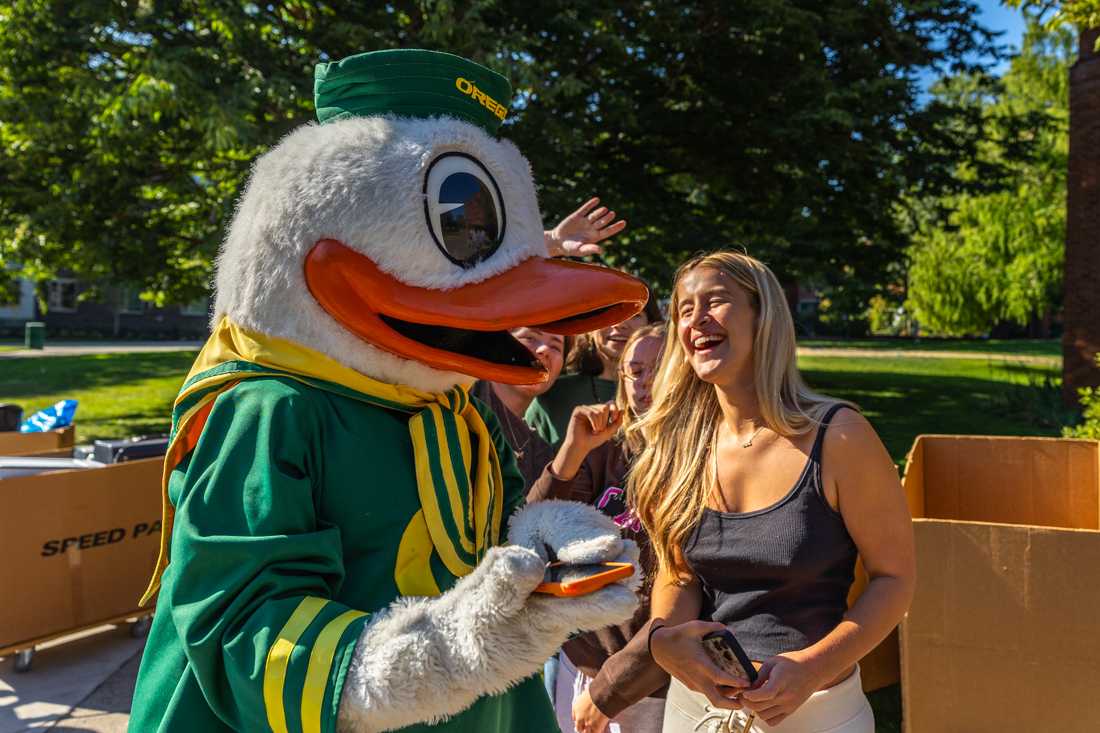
x=77 y=549
x=13 y=443
x=1004 y=629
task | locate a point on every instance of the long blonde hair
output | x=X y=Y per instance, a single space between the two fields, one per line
x=668 y=483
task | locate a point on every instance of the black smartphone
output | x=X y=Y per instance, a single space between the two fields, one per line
x=724 y=650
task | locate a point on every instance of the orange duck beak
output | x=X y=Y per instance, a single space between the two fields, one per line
x=466 y=330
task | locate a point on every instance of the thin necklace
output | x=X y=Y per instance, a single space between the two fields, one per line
x=748 y=443
x=515 y=438
x=506 y=419
x=717 y=481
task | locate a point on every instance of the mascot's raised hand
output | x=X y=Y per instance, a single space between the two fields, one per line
x=336 y=508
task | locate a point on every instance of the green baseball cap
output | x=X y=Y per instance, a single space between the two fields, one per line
x=411 y=82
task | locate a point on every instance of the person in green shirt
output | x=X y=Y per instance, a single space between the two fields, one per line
x=345 y=542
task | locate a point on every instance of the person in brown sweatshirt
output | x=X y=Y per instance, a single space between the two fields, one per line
x=596 y=683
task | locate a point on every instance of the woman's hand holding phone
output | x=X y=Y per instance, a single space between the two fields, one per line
x=787 y=681
x=679 y=651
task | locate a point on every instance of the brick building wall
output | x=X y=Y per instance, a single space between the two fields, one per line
x=1081 y=338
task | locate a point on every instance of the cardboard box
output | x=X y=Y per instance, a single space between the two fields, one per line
x=21 y=444
x=1003 y=632
x=76 y=548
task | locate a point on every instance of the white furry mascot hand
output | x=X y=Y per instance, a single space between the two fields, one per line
x=424 y=659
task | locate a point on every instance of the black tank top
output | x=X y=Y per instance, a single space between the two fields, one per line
x=777 y=577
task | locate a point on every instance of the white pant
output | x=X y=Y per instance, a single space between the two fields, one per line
x=643 y=716
x=842 y=708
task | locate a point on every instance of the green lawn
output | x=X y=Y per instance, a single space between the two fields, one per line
x=904 y=397
x=120 y=394
x=1021 y=347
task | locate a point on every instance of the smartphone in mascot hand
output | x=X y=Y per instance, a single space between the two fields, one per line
x=563 y=579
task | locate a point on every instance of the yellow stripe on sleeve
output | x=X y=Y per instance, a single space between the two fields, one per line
x=320 y=664
x=278 y=659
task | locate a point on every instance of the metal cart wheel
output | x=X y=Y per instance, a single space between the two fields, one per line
x=140 y=628
x=24 y=659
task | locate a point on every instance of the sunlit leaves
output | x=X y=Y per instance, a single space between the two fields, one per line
x=998 y=256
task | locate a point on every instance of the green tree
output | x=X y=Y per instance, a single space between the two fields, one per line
x=791 y=126
x=1079 y=14
x=997 y=256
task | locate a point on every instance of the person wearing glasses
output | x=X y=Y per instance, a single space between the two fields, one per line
x=591 y=467
x=591 y=367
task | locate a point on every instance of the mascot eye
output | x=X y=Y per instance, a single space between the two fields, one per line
x=464 y=208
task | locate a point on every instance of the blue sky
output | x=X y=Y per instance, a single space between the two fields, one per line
x=997 y=17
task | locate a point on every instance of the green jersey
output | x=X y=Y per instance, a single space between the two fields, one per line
x=549 y=413
x=288 y=516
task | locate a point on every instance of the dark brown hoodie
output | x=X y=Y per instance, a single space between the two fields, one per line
x=623 y=673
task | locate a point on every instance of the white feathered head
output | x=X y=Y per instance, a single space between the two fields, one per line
x=401 y=238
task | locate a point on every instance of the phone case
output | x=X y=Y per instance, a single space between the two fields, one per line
x=724 y=650
x=588 y=584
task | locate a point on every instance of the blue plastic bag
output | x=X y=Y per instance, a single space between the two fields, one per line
x=52 y=418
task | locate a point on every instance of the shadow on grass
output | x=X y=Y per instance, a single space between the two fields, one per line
x=902 y=406
x=45 y=375
x=1022 y=347
x=886 y=703
x=124 y=427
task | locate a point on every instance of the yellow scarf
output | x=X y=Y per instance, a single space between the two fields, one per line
x=461 y=494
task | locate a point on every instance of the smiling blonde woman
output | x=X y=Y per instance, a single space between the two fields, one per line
x=757 y=510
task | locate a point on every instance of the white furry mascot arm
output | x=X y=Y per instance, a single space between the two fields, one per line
x=424 y=659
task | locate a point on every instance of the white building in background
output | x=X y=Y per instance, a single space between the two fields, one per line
x=24 y=308
x=119 y=312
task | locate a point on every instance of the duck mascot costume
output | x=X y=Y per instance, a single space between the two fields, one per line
x=345 y=546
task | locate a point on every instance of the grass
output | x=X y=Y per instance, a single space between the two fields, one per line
x=120 y=394
x=886 y=704
x=1022 y=347
x=904 y=397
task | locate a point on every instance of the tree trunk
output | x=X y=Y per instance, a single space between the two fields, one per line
x=1081 y=340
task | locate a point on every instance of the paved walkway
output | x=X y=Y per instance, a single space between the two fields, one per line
x=83 y=682
x=77 y=348
x=918 y=354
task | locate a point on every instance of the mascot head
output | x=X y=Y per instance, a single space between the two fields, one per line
x=401 y=237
